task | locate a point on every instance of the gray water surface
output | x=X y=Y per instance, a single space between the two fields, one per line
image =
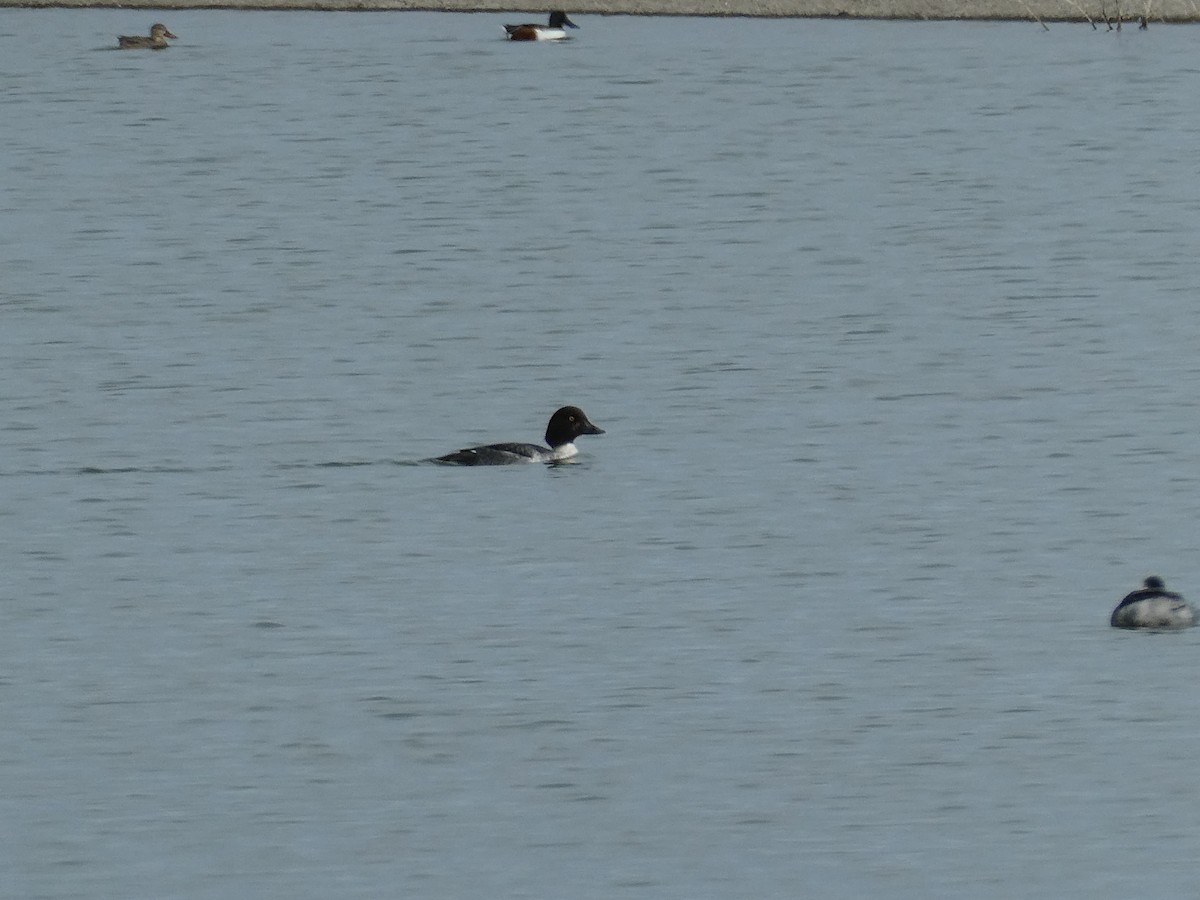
x=892 y=329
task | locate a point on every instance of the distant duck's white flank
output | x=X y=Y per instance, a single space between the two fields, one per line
x=1153 y=606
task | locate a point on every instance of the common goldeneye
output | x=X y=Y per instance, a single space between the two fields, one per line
x=1153 y=607
x=554 y=31
x=565 y=425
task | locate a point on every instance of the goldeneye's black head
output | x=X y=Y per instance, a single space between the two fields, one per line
x=1154 y=583
x=567 y=424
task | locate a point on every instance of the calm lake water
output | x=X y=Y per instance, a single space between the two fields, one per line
x=893 y=329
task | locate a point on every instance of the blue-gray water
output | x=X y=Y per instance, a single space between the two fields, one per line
x=893 y=329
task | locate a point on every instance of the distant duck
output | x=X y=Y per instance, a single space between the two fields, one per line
x=565 y=425
x=1153 y=606
x=157 y=39
x=555 y=31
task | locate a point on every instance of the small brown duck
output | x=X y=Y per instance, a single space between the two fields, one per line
x=157 y=39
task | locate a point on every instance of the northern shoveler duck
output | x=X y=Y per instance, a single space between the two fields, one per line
x=555 y=31
x=565 y=425
x=157 y=39
x=1153 y=606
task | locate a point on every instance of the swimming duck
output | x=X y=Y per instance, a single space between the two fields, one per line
x=565 y=425
x=1153 y=606
x=156 y=41
x=555 y=31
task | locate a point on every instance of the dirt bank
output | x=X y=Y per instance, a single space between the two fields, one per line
x=1028 y=10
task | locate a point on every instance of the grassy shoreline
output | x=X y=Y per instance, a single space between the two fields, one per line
x=1100 y=11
